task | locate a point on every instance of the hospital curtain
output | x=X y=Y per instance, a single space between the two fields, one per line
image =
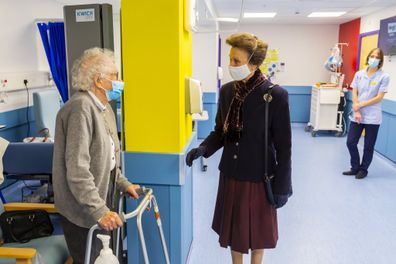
x=53 y=38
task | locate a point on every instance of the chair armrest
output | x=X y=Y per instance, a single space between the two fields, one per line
x=22 y=255
x=50 y=208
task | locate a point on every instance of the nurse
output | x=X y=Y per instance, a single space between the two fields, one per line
x=369 y=87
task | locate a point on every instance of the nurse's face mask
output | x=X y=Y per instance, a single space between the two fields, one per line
x=373 y=62
x=374 y=59
x=240 y=72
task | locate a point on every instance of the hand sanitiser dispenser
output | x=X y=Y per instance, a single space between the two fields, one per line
x=194 y=104
x=106 y=254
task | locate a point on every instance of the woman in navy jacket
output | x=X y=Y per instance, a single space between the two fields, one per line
x=243 y=218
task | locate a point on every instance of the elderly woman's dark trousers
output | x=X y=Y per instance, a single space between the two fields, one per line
x=76 y=239
x=354 y=134
x=76 y=236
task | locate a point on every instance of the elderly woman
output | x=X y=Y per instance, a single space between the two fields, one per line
x=86 y=165
x=243 y=217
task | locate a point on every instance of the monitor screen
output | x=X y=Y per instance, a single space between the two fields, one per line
x=387 y=36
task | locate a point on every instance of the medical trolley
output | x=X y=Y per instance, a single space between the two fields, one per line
x=325 y=113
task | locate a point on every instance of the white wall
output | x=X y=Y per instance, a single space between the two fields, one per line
x=371 y=23
x=117 y=38
x=21 y=50
x=18 y=31
x=303 y=48
x=22 y=55
x=204 y=60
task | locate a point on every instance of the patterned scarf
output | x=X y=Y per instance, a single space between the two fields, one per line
x=233 y=124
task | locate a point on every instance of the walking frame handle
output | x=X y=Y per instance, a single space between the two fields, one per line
x=147 y=192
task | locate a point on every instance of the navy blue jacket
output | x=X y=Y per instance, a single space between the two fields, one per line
x=244 y=160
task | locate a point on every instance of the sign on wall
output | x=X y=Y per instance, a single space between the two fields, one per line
x=271 y=65
x=387 y=36
x=85 y=15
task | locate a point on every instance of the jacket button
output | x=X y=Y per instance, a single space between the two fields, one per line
x=235 y=156
x=237 y=144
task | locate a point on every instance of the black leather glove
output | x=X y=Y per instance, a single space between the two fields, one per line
x=193 y=154
x=280 y=200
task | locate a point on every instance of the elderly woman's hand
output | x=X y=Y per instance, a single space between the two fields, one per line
x=109 y=221
x=132 y=190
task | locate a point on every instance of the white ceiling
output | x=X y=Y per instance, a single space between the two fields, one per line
x=296 y=11
x=115 y=3
x=288 y=11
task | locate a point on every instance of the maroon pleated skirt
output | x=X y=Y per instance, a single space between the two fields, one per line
x=243 y=218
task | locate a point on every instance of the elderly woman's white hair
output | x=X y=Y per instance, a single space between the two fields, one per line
x=94 y=61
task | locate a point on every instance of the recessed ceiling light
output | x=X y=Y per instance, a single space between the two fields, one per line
x=326 y=14
x=227 y=19
x=259 y=15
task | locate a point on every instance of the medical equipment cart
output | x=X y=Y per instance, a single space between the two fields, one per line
x=147 y=200
x=325 y=113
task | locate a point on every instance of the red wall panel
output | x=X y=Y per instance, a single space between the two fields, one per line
x=349 y=33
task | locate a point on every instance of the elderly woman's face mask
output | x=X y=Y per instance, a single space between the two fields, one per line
x=116 y=89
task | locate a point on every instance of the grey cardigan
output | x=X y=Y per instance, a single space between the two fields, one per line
x=81 y=163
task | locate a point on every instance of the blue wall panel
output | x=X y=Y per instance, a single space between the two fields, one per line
x=16 y=129
x=382 y=138
x=299 y=103
x=175 y=205
x=171 y=181
x=162 y=194
x=16 y=124
x=386 y=140
x=391 y=143
x=209 y=105
x=389 y=106
x=140 y=168
x=299 y=108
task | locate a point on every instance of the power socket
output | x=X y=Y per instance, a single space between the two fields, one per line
x=4 y=83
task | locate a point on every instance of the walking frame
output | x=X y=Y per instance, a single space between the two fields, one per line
x=147 y=200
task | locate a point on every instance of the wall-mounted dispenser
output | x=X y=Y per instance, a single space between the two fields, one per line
x=194 y=104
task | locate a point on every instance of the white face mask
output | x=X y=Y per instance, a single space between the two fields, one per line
x=239 y=72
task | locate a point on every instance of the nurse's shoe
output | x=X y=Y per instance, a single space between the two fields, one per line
x=361 y=174
x=350 y=172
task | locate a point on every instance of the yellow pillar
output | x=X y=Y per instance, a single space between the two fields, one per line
x=156 y=57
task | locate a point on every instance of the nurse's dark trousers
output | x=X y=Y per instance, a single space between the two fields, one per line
x=355 y=131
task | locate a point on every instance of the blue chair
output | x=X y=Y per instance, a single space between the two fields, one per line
x=50 y=250
x=29 y=161
x=46 y=105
